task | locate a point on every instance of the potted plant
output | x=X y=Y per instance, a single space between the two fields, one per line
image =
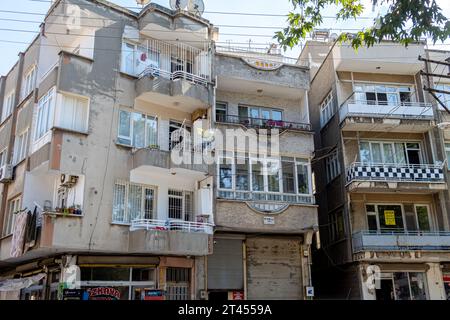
x=153 y=147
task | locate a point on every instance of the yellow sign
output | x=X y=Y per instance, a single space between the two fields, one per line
x=389 y=217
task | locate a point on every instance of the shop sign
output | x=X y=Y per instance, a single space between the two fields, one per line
x=310 y=291
x=262 y=65
x=236 y=295
x=104 y=293
x=154 y=295
x=269 y=220
x=389 y=218
x=72 y=294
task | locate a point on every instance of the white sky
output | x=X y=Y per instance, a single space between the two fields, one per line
x=9 y=51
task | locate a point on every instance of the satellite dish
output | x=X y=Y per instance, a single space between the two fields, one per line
x=178 y=4
x=142 y=2
x=196 y=7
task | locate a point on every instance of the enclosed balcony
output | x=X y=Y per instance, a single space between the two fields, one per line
x=170 y=237
x=373 y=177
x=366 y=111
x=262 y=123
x=400 y=240
x=169 y=73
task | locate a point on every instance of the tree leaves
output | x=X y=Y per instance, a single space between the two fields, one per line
x=405 y=21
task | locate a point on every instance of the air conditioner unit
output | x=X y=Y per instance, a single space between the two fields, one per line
x=6 y=173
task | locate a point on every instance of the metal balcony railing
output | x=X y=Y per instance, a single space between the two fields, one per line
x=354 y=106
x=430 y=173
x=260 y=123
x=172 y=225
x=393 y=240
x=173 y=61
x=266 y=196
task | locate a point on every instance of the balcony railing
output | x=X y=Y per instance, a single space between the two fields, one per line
x=400 y=240
x=174 y=61
x=354 y=106
x=430 y=173
x=266 y=196
x=260 y=123
x=172 y=225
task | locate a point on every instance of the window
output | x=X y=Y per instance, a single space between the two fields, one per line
x=447 y=153
x=29 y=82
x=72 y=113
x=174 y=126
x=45 y=111
x=8 y=105
x=332 y=166
x=390 y=152
x=403 y=286
x=221 y=112
x=12 y=209
x=137 y=130
x=20 y=147
x=285 y=175
x=3 y=155
x=181 y=205
x=444 y=97
x=326 y=109
x=133 y=201
x=258 y=115
x=383 y=94
x=136 y=58
x=336 y=226
x=385 y=217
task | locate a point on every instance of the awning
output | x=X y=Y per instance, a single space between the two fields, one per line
x=21 y=283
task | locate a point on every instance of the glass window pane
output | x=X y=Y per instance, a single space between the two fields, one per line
x=124 y=127
x=388 y=153
x=418 y=285
x=152 y=131
x=364 y=152
x=138 y=121
x=390 y=217
x=376 y=153
x=265 y=114
x=257 y=176
x=143 y=274
x=134 y=202
x=276 y=115
x=288 y=177
x=401 y=286
x=423 y=218
x=400 y=156
x=119 y=203
x=148 y=203
x=372 y=222
x=302 y=179
x=242 y=174
x=225 y=176
x=273 y=170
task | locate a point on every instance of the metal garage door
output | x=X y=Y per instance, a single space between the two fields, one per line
x=274 y=269
x=225 y=265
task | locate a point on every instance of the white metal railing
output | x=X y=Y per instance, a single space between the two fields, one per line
x=266 y=54
x=175 y=61
x=400 y=240
x=380 y=109
x=358 y=171
x=266 y=196
x=172 y=225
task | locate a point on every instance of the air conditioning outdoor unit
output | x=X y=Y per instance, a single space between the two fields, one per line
x=6 y=173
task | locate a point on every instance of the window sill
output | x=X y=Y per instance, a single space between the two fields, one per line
x=128 y=75
x=60 y=214
x=5 y=120
x=121 y=224
x=20 y=162
x=84 y=133
x=6 y=237
x=25 y=98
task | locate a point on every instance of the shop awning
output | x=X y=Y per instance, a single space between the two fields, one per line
x=21 y=283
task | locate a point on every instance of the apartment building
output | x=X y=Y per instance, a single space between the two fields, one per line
x=380 y=171
x=92 y=115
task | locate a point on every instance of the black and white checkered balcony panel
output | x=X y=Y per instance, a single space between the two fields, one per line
x=367 y=172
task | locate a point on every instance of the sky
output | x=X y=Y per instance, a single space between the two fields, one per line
x=241 y=35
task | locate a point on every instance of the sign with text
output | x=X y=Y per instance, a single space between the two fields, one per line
x=389 y=218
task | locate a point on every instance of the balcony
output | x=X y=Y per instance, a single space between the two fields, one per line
x=259 y=123
x=400 y=240
x=266 y=196
x=170 y=237
x=363 y=115
x=171 y=74
x=382 y=176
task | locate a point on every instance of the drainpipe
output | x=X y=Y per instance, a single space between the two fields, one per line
x=244 y=266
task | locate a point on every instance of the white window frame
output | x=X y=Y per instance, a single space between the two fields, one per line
x=29 y=81
x=126 y=214
x=332 y=166
x=8 y=105
x=185 y=216
x=447 y=153
x=422 y=156
x=3 y=156
x=59 y=110
x=21 y=146
x=45 y=115
x=395 y=89
x=13 y=207
x=430 y=221
x=225 y=159
x=130 y=124
x=327 y=109
x=376 y=204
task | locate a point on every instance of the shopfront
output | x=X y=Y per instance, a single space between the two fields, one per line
x=402 y=286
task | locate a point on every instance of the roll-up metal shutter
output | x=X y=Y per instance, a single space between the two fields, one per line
x=225 y=265
x=274 y=269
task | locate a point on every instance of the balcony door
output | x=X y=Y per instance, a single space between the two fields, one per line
x=385 y=217
x=377 y=152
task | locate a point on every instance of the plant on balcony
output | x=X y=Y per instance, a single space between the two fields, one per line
x=153 y=147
